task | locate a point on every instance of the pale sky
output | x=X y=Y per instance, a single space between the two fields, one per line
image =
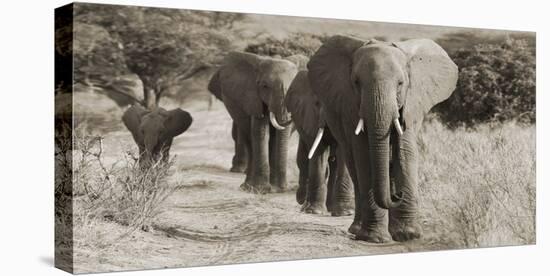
x=281 y=26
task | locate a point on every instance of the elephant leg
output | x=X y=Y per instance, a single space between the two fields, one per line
x=374 y=220
x=244 y=132
x=142 y=159
x=355 y=226
x=302 y=162
x=260 y=156
x=404 y=220
x=273 y=177
x=331 y=182
x=343 y=202
x=316 y=195
x=240 y=159
x=278 y=159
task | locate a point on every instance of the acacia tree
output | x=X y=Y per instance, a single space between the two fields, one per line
x=96 y=55
x=162 y=46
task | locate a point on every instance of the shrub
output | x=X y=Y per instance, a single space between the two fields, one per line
x=496 y=83
x=298 y=43
x=122 y=191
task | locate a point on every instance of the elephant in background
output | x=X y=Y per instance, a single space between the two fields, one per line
x=239 y=162
x=154 y=131
x=253 y=89
x=314 y=191
x=240 y=159
x=375 y=96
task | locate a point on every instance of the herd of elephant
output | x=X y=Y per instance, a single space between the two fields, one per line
x=357 y=106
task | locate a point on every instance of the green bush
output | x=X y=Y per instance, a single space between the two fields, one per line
x=496 y=83
x=298 y=43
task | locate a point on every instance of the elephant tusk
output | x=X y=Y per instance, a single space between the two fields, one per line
x=274 y=121
x=398 y=126
x=316 y=142
x=360 y=126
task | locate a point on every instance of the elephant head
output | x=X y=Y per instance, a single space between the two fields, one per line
x=263 y=83
x=309 y=116
x=387 y=87
x=153 y=131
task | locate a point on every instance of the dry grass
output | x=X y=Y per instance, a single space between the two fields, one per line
x=478 y=186
x=119 y=191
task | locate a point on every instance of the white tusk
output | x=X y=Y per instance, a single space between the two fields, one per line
x=398 y=126
x=360 y=126
x=274 y=121
x=316 y=142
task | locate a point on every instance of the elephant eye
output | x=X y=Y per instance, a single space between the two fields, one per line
x=400 y=83
x=356 y=82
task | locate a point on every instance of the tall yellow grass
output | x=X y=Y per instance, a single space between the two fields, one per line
x=478 y=185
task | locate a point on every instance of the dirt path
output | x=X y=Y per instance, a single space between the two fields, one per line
x=209 y=221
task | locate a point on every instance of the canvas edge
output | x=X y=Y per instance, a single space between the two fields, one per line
x=64 y=242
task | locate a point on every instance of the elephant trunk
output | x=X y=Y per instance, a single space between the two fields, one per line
x=150 y=154
x=379 y=117
x=278 y=113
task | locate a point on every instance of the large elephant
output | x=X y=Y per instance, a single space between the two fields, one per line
x=154 y=131
x=375 y=96
x=253 y=89
x=315 y=192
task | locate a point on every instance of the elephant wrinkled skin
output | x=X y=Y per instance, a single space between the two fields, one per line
x=375 y=96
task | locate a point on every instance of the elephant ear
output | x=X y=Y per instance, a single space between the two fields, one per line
x=239 y=75
x=298 y=93
x=299 y=60
x=132 y=120
x=301 y=103
x=177 y=121
x=330 y=68
x=432 y=77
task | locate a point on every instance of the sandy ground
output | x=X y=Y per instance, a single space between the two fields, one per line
x=209 y=221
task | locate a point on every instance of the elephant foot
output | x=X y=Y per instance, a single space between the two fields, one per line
x=374 y=236
x=279 y=189
x=245 y=187
x=342 y=209
x=355 y=227
x=405 y=231
x=238 y=168
x=342 y=213
x=262 y=189
x=316 y=209
x=301 y=195
x=256 y=189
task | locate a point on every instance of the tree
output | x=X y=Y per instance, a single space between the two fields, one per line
x=161 y=46
x=97 y=55
x=496 y=83
x=297 y=43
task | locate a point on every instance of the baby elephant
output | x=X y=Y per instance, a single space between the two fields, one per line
x=318 y=153
x=154 y=130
